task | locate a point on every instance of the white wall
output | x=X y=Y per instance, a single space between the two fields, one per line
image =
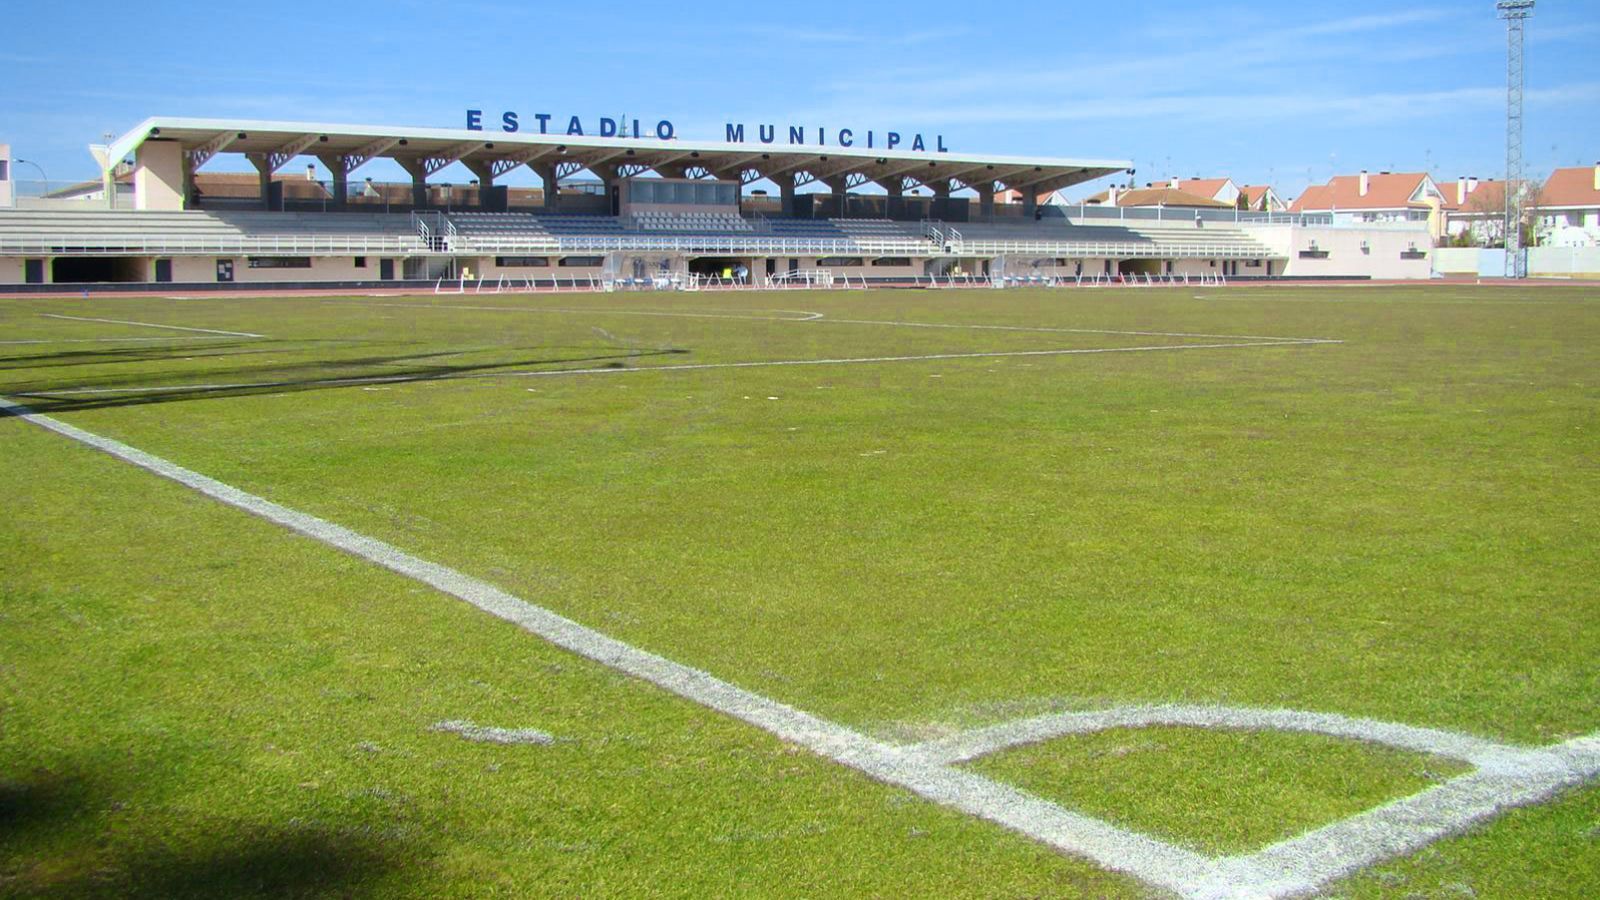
x=11 y=270
x=1346 y=258
x=8 y=195
x=158 y=176
x=1564 y=262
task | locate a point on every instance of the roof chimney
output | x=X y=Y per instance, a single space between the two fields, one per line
x=1472 y=183
x=1366 y=182
x=1597 y=176
x=1173 y=183
x=1461 y=190
x=1112 y=195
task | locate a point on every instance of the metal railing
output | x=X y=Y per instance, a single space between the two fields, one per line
x=713 y=243
x=208 y=245
x=1084 y=212
x=1117 y=249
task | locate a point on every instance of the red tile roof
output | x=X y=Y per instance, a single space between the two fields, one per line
x=1488 y=196
x=1162 y=196
x=1392 y=191
x=1572 y=187
x=1202 y=187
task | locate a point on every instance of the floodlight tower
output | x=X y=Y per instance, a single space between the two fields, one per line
x=1514 y=12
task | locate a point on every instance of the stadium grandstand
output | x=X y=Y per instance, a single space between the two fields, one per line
x=625 y=213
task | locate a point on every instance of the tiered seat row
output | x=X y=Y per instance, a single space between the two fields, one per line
x=132 y=232
x=693 y=222
x=1178 y=240
x=499 y=225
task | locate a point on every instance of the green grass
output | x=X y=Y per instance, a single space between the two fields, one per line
x=1220 y=792
x=1398 y=527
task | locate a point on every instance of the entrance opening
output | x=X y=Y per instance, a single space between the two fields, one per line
x=96 y=269
x=1140 y=267
x=718 y=267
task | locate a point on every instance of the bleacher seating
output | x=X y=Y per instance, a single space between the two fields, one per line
x=1177 y=239
x=134 y=232
x=361 y=233
x=691 y=222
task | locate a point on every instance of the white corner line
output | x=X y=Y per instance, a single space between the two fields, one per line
x=246 y=334
x=1506 y=777
x=1115 y=848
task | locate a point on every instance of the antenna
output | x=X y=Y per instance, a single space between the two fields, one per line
x=1514 y=12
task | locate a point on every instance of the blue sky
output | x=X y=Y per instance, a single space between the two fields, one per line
x=1255 y=90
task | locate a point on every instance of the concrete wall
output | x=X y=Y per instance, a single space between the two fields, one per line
x=11 y=270
x=1543 y=262
x=203 y=269
x=1346 y=257
x=8 y=174
x=1564 y=262
x=158 y=176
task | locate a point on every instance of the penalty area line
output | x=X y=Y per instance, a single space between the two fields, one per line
x=246 y=334
x=125 y=340
x=1507 y=777
x=686 y=367
x=1149 y=859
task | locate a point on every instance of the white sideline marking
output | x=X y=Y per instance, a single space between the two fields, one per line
x=130 y=340
x=1113 y=847
x=1507 y=776
x=803 y=316
x=152 y=325
x=686 y=367
x=483 y=734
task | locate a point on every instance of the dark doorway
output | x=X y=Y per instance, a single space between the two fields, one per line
x=386 y=269
x=716 y=266
x=93 y=269
x=33 y=271
x=163 y=270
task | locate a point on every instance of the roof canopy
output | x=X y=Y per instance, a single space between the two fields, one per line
x=489 y=154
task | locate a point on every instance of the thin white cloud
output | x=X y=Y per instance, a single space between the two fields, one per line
x=1364 y=24
x=1170 y=109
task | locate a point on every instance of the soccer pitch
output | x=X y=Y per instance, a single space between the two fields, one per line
x=1230 y=592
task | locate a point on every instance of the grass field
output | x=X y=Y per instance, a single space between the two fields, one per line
x=981 y=506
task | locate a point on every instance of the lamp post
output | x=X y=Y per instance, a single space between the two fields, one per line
x=29 y=162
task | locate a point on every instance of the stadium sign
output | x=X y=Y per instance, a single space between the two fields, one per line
x=621 y=127
x=844 y=137
x=512 y=122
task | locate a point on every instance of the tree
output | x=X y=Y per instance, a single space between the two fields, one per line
x=1487 y=208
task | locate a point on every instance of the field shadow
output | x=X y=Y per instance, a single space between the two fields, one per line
x=54 y=843
x=222 y=382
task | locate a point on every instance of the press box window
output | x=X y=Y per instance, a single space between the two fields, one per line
x=839 y=261
x=280 y=262
x=522 y=262
x=582 y=262
x=892 y=261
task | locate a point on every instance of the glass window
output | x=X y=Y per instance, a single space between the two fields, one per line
x=728 y=194
x=683 y=193
x=705 y=194
x=3 y=173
